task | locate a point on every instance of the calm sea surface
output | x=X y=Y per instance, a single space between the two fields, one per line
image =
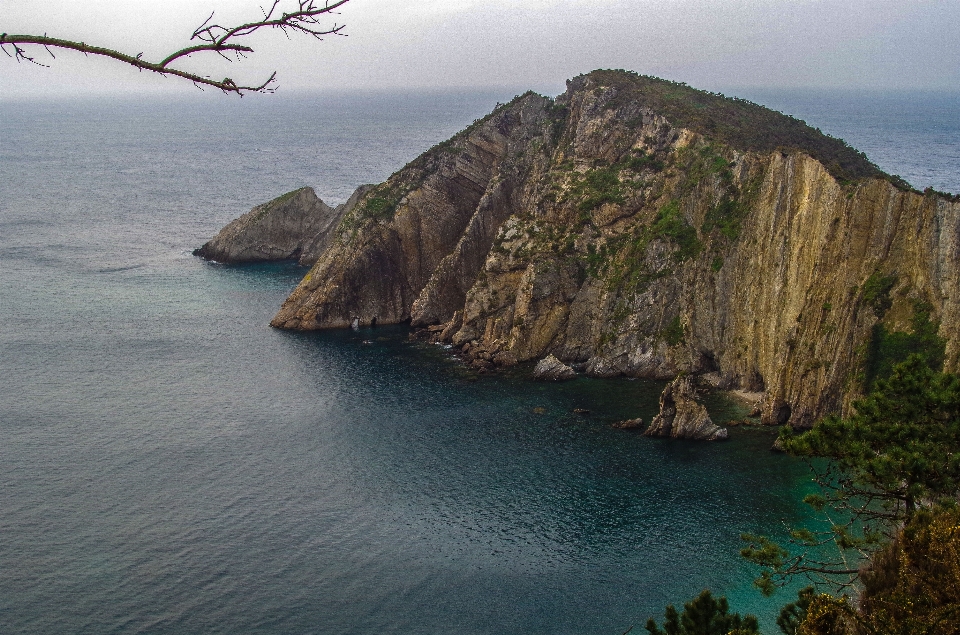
x=170 y=464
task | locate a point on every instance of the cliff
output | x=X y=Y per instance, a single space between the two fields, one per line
x=640 y=227
x=294 y=226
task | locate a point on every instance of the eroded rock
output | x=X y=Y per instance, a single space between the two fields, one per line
x=294 y=226
x=682 y=416
x=552 y=369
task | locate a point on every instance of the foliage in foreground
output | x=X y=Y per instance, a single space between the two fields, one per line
x=911 y=587
x=793 y=614
x=892 y=474
x=914 y=583
x=704 y=615
x=899 y=453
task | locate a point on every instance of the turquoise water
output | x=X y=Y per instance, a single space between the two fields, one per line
x=170 y=464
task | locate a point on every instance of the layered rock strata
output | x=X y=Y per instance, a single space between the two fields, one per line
x=682 y=416
x=294 y=226
x=638 y=227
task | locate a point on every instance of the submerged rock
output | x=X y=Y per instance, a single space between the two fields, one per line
x=682 y=416
x=552 y=369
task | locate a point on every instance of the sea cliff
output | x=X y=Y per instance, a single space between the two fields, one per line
x=638 y=227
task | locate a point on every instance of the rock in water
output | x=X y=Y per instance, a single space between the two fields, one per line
x=552 y=369
x=682 y=416
x=297 y=225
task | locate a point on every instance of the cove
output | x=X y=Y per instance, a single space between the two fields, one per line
x=170 y=464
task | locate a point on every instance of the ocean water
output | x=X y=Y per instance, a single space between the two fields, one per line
x=915 y=134
x=170 y=464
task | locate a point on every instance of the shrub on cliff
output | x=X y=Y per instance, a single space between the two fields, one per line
x=739 y=123
x=888 y=348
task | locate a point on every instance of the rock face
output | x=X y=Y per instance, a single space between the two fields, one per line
x=682 y=416
x=639 y=227
x=552 y=369
x=295 y=226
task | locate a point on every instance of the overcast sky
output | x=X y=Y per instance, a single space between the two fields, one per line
x=712 y=44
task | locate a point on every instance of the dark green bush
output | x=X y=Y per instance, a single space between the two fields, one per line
x=876 y=292
x=704 y=615
x=671 y=225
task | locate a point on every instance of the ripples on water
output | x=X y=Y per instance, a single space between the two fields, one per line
x=169 y=464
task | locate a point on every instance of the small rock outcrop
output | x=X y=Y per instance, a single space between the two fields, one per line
x=552 y=369
x=294 y=226
x=682 y=416
x=628 y=424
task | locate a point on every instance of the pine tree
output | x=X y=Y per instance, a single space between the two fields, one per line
x=704 y=615
x=794 y=613
x=899 y=452
x=901 y=448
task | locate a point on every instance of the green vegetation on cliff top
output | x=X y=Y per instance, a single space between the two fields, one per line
x=729 y=121
x=736 y=122
x=280 y=200
x=283 y=198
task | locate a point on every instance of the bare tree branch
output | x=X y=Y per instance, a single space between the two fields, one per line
x=212 y=37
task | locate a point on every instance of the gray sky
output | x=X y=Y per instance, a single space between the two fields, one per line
x=712 y=44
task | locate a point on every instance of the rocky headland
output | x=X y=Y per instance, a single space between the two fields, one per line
x=639 y=227
x=295 y=226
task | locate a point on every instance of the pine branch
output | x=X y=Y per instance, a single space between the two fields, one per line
x=213 y=38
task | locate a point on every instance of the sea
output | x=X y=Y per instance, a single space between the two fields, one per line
x=169 y=464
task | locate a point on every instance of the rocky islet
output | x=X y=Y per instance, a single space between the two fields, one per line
x=638 y=227
x=682 y=416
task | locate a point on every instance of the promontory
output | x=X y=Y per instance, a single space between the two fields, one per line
x=635 y=226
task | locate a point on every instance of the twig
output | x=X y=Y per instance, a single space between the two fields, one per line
x=305 y=18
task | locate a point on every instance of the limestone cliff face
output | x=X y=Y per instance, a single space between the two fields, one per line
x=296 y=225
x=414 y=245
x=616 y=230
